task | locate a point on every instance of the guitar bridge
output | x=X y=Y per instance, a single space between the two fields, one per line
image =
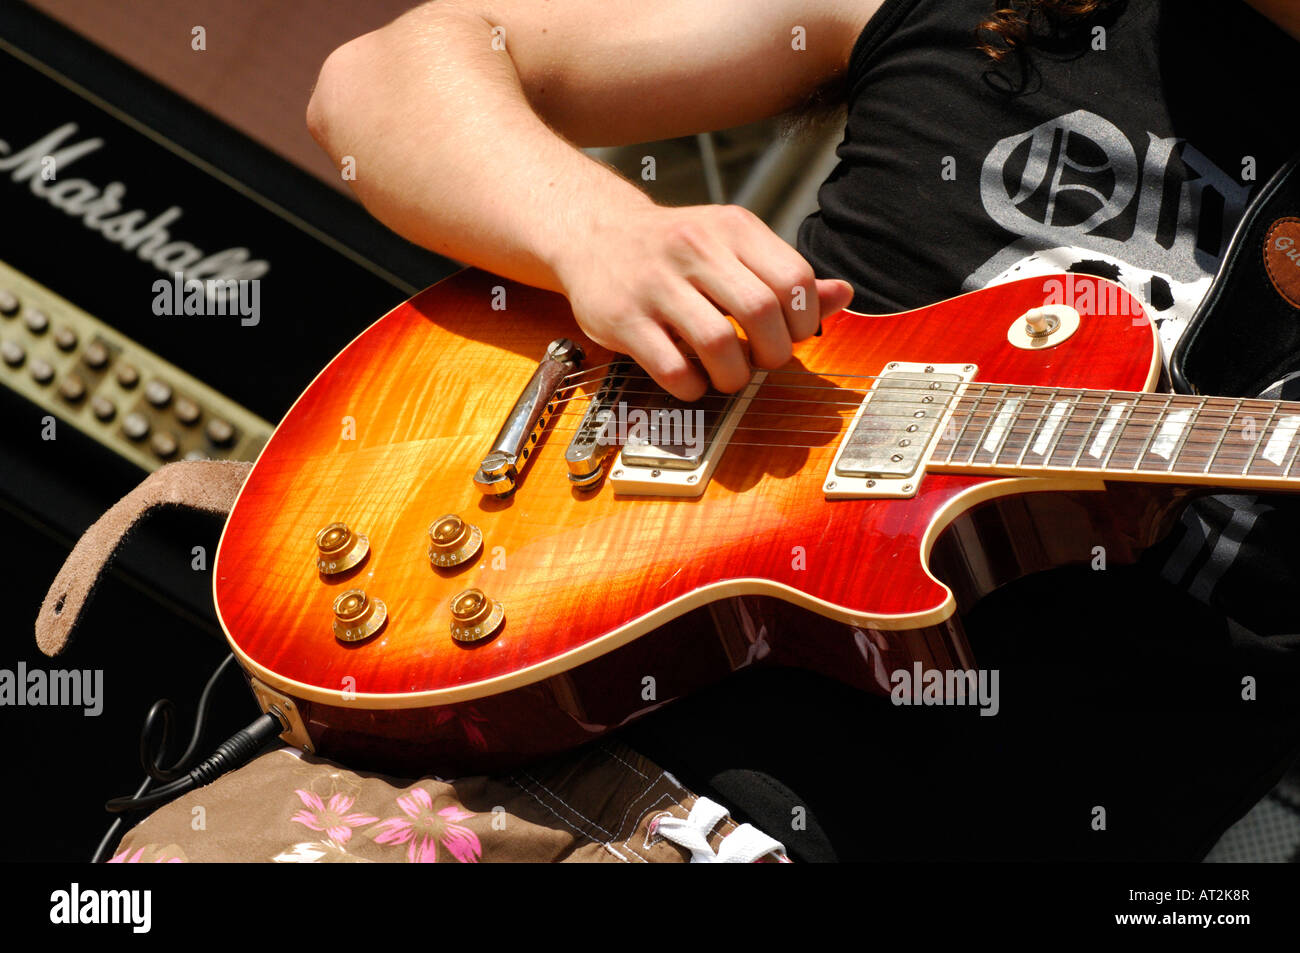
x=586 y=453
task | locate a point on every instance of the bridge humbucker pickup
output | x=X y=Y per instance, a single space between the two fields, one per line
x=670 y=448
x=884 y=451
x=680 y=433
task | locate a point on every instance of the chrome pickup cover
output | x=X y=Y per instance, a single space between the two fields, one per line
x=697 y=436
x=884 y=450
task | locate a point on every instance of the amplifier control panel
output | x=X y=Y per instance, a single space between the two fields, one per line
x=112 y=388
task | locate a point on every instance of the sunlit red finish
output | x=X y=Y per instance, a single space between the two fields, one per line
x=429 y=385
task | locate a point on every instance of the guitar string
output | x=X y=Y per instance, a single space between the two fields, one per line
x=1066 y=441
x=997 y=403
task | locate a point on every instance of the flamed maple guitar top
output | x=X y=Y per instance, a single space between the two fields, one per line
x=388 y=436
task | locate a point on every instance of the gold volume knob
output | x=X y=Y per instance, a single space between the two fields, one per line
x=338 y=549
x=474 y=616
x=357 y=616
x=452 y=541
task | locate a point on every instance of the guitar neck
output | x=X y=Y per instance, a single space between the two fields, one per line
x=1226 y=442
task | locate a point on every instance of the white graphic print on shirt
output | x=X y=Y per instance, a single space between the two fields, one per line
x=1158 y=249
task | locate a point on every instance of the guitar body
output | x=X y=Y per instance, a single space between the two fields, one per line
x=616 y=603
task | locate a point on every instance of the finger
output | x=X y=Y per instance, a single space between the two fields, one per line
x=709 y=334
x=737 y=291
x=786 y=272
x=650 y=345
x=834 y=294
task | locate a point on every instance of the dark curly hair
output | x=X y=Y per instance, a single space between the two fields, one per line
x=1016 y=24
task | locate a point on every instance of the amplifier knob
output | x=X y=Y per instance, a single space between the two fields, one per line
x=103 y=408
x=164 y=444
x=127 y=375
x=220 y=432
x=187 y=412
x=338 y=549
x=42 y=371
x=37 y=321
x=158 y=393
x=8 y=303
x=135 y=426
x=95 y=355
x=72 y=388
x=357 y=616
x=452 y=541
x=65 y=339
x=474 y=616
x=13 y=353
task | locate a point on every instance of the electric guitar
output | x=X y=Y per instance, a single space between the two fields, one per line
x=479 y=538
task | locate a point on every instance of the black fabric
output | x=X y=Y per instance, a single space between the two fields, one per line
x=1121 y=689
x=1131 y=700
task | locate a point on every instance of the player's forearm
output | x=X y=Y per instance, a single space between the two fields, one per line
x=448 y=153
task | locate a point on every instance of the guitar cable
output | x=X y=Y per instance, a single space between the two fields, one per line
x=235 y=752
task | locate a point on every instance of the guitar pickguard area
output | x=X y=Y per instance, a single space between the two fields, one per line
x=885 y=447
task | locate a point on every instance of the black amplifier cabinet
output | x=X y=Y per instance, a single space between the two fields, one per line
x=111 y=186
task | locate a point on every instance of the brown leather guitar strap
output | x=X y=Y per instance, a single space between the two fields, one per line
x=210 y=485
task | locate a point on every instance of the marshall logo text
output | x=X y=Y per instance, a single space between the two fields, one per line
x=101 y=210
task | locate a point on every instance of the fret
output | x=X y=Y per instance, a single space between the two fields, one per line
x=1230 y=459
x=1000 y=430
x=1226 y=427
x=1052 y=429
x=979 y=438
x=1295 y=450
x=1171 y=436
x=1097 y=446
x=1049 y=405
x=1134 y=434
x=1155 y=428
x=1096 y=419
x=1259 y=441
x=984 y=389
x=1277 y=446
x=1063 y=428
x=1282 y=440
x=1201 y=433
x=1021 y=430
x=1130 y=409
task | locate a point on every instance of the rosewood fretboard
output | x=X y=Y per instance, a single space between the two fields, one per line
x=1162 y=437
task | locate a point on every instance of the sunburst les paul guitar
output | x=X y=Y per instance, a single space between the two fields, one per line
x=479 y=538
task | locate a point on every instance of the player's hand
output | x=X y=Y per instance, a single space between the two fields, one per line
x=655 y=283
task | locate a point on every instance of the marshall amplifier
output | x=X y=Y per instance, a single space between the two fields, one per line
x=167 y=289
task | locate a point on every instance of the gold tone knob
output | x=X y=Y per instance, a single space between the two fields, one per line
x=338 y=549
x=474 y=616
x=357 y=616
x=452 y=541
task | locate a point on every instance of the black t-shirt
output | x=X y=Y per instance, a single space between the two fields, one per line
x=1128 y=149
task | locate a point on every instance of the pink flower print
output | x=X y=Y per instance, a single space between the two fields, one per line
x=333 y=818
x=423 y=827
